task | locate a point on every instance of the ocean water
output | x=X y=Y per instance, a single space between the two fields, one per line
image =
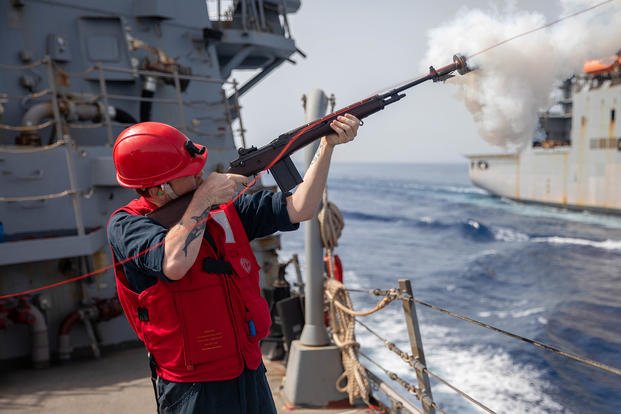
x=540 y=272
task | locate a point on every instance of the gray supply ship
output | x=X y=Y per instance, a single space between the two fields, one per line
x=575 y=157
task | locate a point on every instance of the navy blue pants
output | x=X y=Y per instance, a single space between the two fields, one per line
x=247 y=394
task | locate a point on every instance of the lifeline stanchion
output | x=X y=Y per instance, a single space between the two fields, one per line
x=416 y=342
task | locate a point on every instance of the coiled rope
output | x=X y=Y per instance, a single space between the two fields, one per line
x=331 y=226
x=354 y=380
x=331 y=223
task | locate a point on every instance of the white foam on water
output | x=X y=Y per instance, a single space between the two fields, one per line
x=513 y=313
x=489 y=252
x=473 y=223
x=527 y=312
x=488 y=374
x=492 y=377
x=509 y=235
x=464 y=190
x=605 y=245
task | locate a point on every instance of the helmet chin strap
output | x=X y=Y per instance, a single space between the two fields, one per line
x=169 y=191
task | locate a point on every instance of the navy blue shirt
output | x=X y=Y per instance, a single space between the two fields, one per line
x=261 y=214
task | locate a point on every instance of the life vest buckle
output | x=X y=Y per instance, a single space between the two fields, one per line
x=143 y=314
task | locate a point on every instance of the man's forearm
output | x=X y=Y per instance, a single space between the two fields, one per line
x=303 y=204
x=183 y=241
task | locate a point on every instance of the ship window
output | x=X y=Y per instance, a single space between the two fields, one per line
x=602 y=143
x=612 y=143
x=612 y=115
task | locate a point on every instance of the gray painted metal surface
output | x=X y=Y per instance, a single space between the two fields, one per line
x=314 y=332
x=73 y=74
x=311 y=375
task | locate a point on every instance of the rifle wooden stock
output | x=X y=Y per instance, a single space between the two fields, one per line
x=170 y=213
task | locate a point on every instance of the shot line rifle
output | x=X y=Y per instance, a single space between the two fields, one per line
x=276 y=156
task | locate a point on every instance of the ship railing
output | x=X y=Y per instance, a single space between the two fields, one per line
x=230 y=103
x=229 y=100
x=252 y=14
x=416 y=359
x=62 y=124
x=6 y=99
x=73 y=191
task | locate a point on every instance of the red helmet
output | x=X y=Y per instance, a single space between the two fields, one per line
x=151 y=153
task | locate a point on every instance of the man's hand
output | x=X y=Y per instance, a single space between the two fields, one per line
x=345 y=128
x=183 y=240
x=219 y=188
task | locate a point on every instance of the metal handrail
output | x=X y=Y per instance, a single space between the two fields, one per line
x=418 y=365
x=104 y=96
x=136 y=71
x=398 y=401
x=252 y=15
x=20 y=67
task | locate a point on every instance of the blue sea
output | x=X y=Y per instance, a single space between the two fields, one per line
x=540 y=272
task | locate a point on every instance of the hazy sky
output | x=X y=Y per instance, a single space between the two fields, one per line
x=357 y=48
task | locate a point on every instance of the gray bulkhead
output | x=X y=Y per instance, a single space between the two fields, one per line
x=73 y=74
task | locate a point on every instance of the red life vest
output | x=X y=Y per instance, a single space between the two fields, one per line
x=205 y=326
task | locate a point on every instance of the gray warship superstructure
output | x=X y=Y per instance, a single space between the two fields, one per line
x=73 y=74
x=575 y=157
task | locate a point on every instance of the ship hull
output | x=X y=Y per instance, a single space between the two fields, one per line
x=549 y=178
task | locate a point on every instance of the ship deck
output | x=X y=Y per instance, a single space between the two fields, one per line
x=115 y=383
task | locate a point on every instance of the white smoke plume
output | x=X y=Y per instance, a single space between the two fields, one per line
x=514 y=81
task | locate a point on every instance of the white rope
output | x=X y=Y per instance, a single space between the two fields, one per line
x=354 y=379
x=27 y=128
x=44 y=197
x=331 y=226
x=331 y=223
x=22 y=149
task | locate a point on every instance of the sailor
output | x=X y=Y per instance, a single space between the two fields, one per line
x=191 y=292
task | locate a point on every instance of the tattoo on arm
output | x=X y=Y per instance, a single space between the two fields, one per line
x=197 y=230
x=317 y=154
